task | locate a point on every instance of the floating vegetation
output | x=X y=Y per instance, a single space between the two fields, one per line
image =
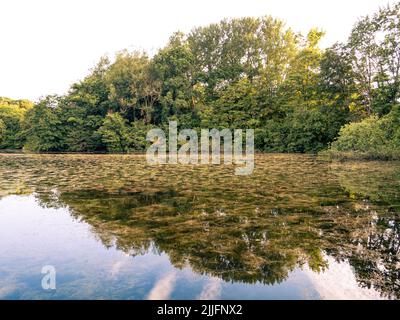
x=293 y=211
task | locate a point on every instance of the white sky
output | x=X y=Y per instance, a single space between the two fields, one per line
x=46 y=45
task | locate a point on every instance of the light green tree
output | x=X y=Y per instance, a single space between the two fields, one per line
x=2 y=131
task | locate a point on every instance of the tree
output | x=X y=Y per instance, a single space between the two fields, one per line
x=301 y=85
x=133 y=87
x=42 y=126
x=238 y=73
x=114 y=133
x=388 y=78
x=84 y=109
x=375 y=60
x=241 y=48
x=337 y=79
x=92 y=94
x=174 y=67
x=2 y=131
x=235 y=107
x=11 y=115
x=306 y=119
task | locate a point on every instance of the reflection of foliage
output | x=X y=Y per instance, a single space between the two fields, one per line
x=234 y=247
x=250 y=229
x=374 y=181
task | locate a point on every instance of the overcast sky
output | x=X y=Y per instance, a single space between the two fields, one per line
x=46 y=45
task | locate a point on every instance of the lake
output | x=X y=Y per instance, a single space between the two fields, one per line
x=114 y=227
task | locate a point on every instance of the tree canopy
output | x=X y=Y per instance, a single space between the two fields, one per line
x=239 y=73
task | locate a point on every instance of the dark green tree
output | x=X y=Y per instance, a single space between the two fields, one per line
x=115 y=133
x=43 y=126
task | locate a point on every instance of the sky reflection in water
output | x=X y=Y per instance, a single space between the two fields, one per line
x=116 y=228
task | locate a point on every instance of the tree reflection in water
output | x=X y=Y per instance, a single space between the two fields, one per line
x=293 y=211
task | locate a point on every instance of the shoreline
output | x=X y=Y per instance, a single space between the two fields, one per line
x=326 y=155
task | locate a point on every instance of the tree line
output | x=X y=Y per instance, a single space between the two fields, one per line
x=238 y=73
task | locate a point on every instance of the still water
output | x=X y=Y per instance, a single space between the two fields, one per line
x=114 y=227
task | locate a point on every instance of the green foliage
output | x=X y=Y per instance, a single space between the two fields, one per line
x=42 y=126
x=138 y=132
x=115 y=133
x=236 y=107
x=81 y=132
x=305 y=130
x=238 y=73
x=133 y=86
x=241 y=48
x=174 y=67
x=11 y=116
x=301 y=85
x=361 y=136
x=371 y=138
x=372 y=53
x=3 y=129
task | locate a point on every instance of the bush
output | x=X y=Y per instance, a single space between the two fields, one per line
x=303 y=130
x=372 y=138
x=367 y=135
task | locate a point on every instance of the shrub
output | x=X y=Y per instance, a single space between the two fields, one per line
x=372 y=138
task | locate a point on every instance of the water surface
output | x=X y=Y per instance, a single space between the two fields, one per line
x=117 y=228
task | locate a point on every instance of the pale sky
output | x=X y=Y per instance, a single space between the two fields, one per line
x=47 y=45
